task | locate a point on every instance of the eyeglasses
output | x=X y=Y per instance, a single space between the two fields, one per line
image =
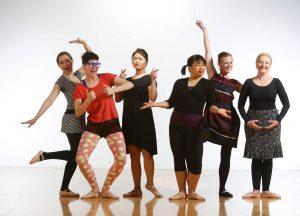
x=94 y=64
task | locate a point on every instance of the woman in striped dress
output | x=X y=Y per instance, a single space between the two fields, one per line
x=221 y=131
x=72 y=126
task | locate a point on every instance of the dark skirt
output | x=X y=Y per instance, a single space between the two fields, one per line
x=263 y=144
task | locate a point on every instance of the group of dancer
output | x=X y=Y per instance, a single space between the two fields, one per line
x=202 y=111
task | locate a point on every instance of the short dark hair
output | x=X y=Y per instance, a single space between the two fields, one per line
x=87 y=56
x=142 y=52
x=191 y=60
x=223 y=54
x=61 y=54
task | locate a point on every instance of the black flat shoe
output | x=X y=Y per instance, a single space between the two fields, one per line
x=225 y=194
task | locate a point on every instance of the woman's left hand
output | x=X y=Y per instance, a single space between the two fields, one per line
x=108 y=90
x=223 y=112
x=273 y=124
x=153 y=74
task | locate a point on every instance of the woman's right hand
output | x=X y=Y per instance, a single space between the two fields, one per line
x=252 y=124
x=29 y=122
x=199 y=23
x=90 y=96
x=123 y=74
x=147 y=105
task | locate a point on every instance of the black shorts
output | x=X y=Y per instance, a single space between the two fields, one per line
x=103 y=129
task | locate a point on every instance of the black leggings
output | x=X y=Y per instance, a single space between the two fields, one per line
x=67 y=155
x=187 y=147
x=261 y=169
x=224 y=166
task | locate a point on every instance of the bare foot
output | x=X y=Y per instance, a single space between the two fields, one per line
x=269 y=194
x=133 y=193
x=108 y=195
x=252 y=194
x=178 y=196
x=37 y=158
x=153 y=190
x=195 y=196
x=91 y=195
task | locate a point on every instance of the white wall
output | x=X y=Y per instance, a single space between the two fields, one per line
x=33 y=32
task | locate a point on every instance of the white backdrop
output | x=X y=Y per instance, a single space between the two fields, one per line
x=33 y=32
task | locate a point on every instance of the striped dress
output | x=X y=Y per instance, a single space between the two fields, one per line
x=70 y=123
x=223 y=131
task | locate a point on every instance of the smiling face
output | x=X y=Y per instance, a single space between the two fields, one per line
x=225 y=65
x=263 y=64
x=91 y=68
x=65 y=63
x=138 y=61
x=197 y=69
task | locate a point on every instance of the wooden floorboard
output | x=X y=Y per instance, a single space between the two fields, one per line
x=34 y=191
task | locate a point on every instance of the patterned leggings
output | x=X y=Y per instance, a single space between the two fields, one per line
x=87 y=145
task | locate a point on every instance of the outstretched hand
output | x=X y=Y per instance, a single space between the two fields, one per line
x=147 y=105
x=29 y=122
x=199 y=23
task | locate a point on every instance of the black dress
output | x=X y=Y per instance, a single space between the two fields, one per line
x=138 y=125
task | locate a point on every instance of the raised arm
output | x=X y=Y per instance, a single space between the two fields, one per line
x=208 y=55
x=87 y=49
x=119 y=95
x=153 y=87
x=46 y=104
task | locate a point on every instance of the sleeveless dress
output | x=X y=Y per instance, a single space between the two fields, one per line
x=138 y=125
x=220 y=130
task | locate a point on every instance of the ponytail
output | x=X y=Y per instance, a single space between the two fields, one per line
x=183 y=70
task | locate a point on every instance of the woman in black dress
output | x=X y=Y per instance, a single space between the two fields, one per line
x=262 y=124
x=188 y=98
x=138 y=125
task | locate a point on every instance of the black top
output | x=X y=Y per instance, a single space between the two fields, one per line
x=263 y=97
x=191 y=101
x=138 y=124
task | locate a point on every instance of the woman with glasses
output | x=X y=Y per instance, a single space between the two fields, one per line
x=95 y=96
x=222 y=131
x=138 y=125
x=72 y=126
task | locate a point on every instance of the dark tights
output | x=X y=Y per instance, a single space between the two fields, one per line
x=67 y=155
x=224 y=166
x=261 y=169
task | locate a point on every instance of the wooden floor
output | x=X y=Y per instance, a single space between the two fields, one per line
x=34 y=191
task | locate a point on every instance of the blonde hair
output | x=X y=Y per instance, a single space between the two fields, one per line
x=264 y=54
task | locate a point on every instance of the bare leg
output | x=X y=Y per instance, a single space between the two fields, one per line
x=136 y=171
x=149 y=169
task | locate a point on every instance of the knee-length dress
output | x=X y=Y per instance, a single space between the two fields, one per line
x=221 y=130
x=138 y=125
x=263 y=144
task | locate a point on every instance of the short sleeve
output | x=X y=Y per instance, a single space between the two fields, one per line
x=60 y=83
x=79 y=92
x=109 y=78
